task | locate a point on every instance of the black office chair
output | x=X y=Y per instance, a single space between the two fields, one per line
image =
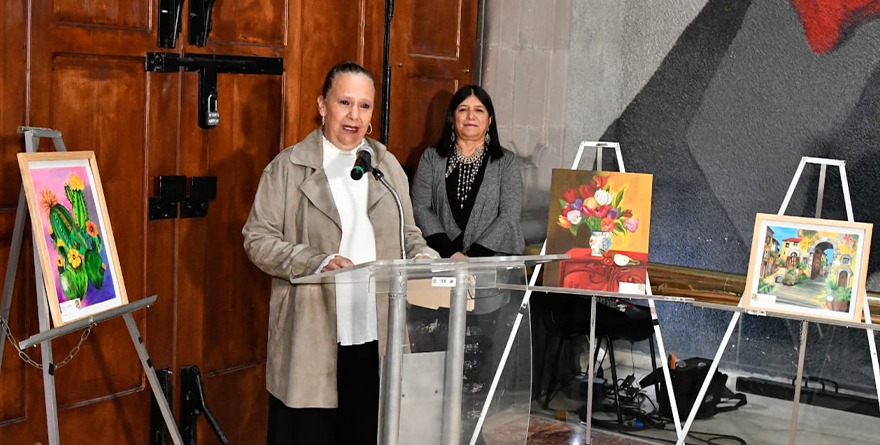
x=568 y=316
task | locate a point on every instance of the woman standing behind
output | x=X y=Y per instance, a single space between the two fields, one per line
x=467 y=200
x=467 y=192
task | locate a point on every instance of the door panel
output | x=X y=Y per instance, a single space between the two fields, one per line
x=130 y=15
x=432 y=55
x=260 y=22
x=223 y=309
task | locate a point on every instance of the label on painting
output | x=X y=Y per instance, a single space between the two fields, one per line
x=69 y=307
x=764 y=299
x=631 y=288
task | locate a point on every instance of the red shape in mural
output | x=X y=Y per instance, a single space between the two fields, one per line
x=826 y=20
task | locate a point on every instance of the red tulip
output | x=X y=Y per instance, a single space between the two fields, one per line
x=586 y=191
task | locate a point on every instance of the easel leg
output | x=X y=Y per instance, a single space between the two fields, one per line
x=798 y=382
x=12 y=265
x=591 y=369
x=154 y=380
x=872 y=344
x=667 y=376
x=48 y=364
x=49 y=392
x=704 y=388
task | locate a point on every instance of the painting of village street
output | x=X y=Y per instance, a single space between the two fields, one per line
x=810 y=269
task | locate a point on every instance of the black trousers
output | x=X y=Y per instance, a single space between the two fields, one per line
x=356 y=420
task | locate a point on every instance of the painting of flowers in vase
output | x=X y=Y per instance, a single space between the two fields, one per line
x=808 y=266
x=601 y=220
x=73 y=239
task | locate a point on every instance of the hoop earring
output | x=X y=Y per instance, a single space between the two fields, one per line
x=488 y=138
x=370 y=128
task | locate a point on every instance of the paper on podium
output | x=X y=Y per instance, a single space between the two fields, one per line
x=434 y=293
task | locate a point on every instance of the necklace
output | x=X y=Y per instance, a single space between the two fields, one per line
x=468 y=167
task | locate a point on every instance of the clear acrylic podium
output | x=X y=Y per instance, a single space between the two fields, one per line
x=440 y=362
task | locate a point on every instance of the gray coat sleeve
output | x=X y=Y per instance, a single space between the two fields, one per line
x=264 y=237
x=428 y=189
x=502 y=232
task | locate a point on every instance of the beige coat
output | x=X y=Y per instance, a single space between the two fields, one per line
x=292 y=227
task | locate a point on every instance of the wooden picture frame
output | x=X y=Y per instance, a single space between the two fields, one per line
x=808 y=266
x=72 y=234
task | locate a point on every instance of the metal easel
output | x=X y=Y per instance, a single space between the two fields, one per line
x=47 y=334
x=598 y=146
x=823 y=163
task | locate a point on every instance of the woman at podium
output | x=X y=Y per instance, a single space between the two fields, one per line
x=310 y=215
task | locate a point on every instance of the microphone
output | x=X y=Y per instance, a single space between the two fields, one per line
x=363 y=163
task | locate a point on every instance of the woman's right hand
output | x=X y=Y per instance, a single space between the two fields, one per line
x=458 y=256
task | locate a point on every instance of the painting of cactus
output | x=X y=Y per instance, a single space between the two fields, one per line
x=72 y=232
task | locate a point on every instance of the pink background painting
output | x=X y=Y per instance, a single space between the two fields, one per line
x=54 y=179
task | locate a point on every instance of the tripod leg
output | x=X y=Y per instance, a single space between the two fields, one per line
x=158 y=393
x=614 y=378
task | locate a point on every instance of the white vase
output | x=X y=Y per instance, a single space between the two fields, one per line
x=600 y=242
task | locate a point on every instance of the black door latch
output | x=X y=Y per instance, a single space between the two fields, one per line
x=193 y=404
x=208 y=66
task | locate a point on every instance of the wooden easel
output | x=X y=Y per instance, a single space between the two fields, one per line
x=47 y=334
x=823 y=163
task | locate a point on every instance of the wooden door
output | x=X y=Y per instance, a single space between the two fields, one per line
x=78 y=67
x=432 y=55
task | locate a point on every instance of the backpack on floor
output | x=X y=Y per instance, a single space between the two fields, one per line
x=687 y=377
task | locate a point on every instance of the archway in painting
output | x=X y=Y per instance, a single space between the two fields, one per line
x=819 y=265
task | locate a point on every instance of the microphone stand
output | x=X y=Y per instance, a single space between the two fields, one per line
x=389 y=402
x=381 y=178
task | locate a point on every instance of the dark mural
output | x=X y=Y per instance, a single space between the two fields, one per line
x=749 y=88
x=727 y=116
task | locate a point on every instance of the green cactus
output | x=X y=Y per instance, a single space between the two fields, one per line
x=94 y=266
x=74 y=283
x=80 y=211
x=80 y=251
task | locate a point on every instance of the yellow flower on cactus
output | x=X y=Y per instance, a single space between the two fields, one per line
x=74 y=258
x=76 y=183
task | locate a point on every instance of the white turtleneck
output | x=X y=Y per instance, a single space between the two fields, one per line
x=356 y=320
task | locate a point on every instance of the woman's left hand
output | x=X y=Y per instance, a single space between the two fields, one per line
x=338 y=262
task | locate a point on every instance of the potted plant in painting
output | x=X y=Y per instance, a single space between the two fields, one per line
x=840 y=297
